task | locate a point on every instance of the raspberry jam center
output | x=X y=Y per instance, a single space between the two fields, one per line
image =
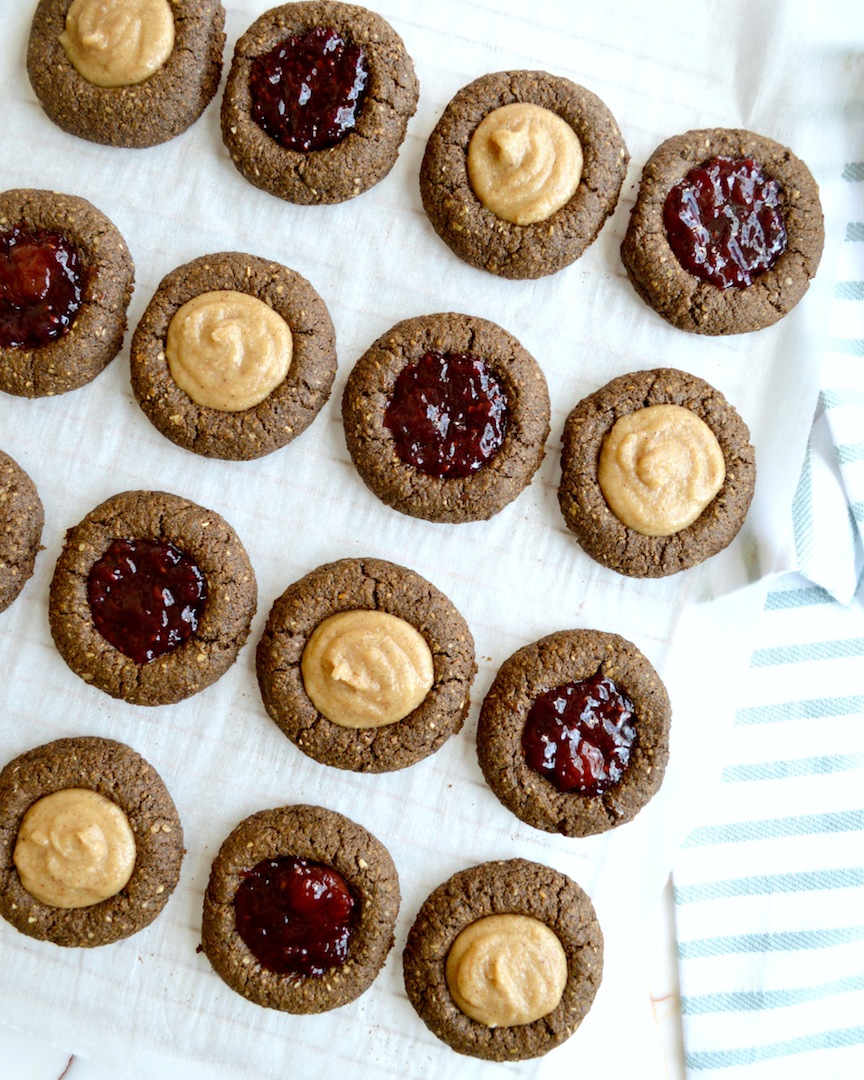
x=579 y=735
x=725 y=223
x=146 y=597
x=448 y=414
x=307 y=92
x=295 y=915
x=41 y=287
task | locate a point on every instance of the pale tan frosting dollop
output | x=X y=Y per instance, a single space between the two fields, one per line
x=524 y=162
x=228 y=350
x=118 y=42
x=74 y=848
x=365 y=669
x=659 y=468
x=505 y=970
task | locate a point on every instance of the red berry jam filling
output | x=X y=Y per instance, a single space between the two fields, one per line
x=579 y=735
x=725 y=223
x=448 y=414
x=295 y=915
x=41 y=287
x=307 y=92
x=146 y=597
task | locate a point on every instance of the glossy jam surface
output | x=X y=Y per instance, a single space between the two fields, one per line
x=307 y=92
x=579 y=735
x=41 y=287
x=146 y=597
x=448 y=414
x=295 y=915
x=724 y=222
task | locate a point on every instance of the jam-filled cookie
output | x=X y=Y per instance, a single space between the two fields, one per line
x=300 y=909
x=317 y=102
x=234 y=356
x=726 y=233
x=446 y=417
x=20 y=528
x=657 y=473
x=126 y=72
x=66 y=279
x=56 y=888
x=521 y=172
x=152 y=597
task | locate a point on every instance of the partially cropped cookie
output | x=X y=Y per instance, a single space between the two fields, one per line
x=56 y=888
x=657 y=473
x=234 y=357
x=726 y=233
x=446 y=417
x=317 y=102
x=573 y=734
x=521 y=172
x=21 y=521
x=66 y=279
x=365 y=665
x=126 y=72
x=152 y=597
x=300 y=909
x=504 y=960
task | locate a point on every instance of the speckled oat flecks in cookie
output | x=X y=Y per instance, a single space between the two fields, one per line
x=21 y=520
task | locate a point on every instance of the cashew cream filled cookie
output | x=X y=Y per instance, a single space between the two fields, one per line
x=90 y=842
x=726 y=233
x=365 y=665
x=152 y=597
x=657 y=473
x=66 y=279
x=446 y=417
x=20 y=528
x=521 y=172
x=126 y=72
x=317 y=102
x=234 y=357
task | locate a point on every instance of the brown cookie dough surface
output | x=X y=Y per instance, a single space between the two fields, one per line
x=287 y=411
x=142 y=114
x=586 y=512
x=223 y=628
x=321 y=836
x=366 y=154
x=698 y=306
x=564 y=657
x=96 y=335
x=370 y=585
x=21 y=520
x=122 y=776
x=494 y=888
x=370 y=388
x=476 y=234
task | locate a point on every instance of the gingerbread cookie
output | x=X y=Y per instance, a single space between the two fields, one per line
x=726 y=233
x=152 y=597
x=317 y=101
x=21 y=528
x=126 y=72
x=521 y=172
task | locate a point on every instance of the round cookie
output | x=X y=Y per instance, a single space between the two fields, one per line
x=141 y=114
x=519 y=887
x=476 y=234
x=21 y=528
x=96 y=333
x=324 y=837
x=684 y=299
x=365 y=154
x=587 y=514
x=287 y=411
x=122 y=776
x=369 y=585
x=370 y=388
x=231 y=596
x=570 y=656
